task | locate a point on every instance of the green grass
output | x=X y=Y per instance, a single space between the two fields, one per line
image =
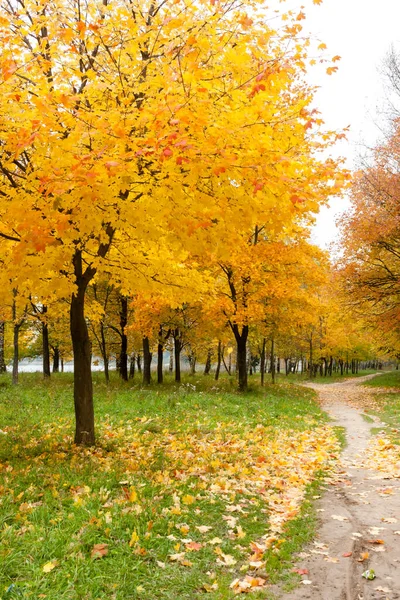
x=334 y=378
x=390 y=379
x=149 y=475
x=388 y=402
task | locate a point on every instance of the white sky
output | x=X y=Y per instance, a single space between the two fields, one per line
x=361 y=32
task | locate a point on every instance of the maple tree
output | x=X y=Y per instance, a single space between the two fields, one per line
x=112 y=159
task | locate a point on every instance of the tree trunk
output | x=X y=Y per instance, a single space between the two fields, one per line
x=241 y=345
x=16 y=354
x=104 y=352
x=132 y=366
x=46 y=348
x=192 y=363
x=62 y=365
x=147 y=356
x=262 y=360
x=177 y=353
x=15 y=341
x=3 y=368
x=171 y=361
x=207 y=367
x=82 y=350
x=56 y=359
x=310 y=362
x=83 y=388
x=123 y=321
x=272 y=359
x=160 y=359
x=139 y=362
x=219 y=358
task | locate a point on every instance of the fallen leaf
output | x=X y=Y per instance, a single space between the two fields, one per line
x=376 y=542
x=363 y=556
x=99 y=550
x=389 y=520
x=306 y=582
x=49 y=566
x=339 y=518
x=331 y=559
x=134 y=538
x=226 y=560
x=203 y=528
x=383 y=589
x=301 y=571
x=347 y=554
x=194 y=546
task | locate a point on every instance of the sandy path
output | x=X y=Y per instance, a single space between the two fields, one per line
x=361 y=505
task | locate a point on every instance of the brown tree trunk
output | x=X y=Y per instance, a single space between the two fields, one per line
x=219 y=358
x=132 y=366
x=147 y=356
x=262 y=360
x=56 y=359
x=272 y=359
x=16 y=354
x=139 y=362
x=160 y=360
x=83 y=388
x=15 y=341
x=310 y=362
x=103 y=350
x=207 y=367
x=3 y=368
x=123 y=321
x=241 y=345
x=177 y=353
x=46 y=347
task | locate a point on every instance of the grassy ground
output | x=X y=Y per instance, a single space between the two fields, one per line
x=190 y=490
x=334 y=378
x=387 y=397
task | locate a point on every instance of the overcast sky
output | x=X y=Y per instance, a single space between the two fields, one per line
x=362 y=33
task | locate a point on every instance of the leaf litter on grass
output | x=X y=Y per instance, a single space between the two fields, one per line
x=168 y=482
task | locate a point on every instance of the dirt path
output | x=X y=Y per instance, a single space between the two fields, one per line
x=360 y=506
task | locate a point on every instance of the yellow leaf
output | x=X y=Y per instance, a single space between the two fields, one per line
x=49 y=566
x=134 y=538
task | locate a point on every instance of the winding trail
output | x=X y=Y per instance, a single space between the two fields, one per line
x=359 y=506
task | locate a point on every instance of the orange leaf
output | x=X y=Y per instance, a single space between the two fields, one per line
x=99 y=550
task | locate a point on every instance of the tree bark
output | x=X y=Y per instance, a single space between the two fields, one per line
x=272 y=359
x=83 y=388
x=241 y=346
x=123 y=321
x=147 y=356
x=132 y=366
x=139 y=362
x=103 y=348
x=177 y=355
x=160 y=360
x=262 y=360
x=207 y=367
x=3 y=368
x=310 y=363
x=56 y=359
x=219 y=358
x=15 y=341
x=46 y=348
